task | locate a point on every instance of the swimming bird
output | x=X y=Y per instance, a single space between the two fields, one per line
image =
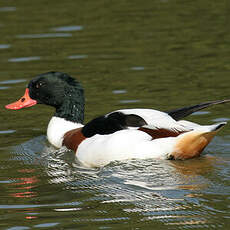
x=119 y=135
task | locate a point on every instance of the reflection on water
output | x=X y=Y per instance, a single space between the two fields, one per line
x=167 y=191
x=24 y=185
x=151 y=54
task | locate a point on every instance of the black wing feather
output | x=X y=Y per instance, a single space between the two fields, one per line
x=111 y=123
x=180 y=113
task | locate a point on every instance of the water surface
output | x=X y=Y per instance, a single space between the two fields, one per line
x=153 y=54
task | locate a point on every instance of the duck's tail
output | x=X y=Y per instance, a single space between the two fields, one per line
x=180 y=113
x=191 y=144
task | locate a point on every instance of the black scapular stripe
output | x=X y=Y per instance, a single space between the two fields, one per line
x=111 y=123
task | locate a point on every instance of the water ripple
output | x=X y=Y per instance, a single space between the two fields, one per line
x=200 y=113
x=119 y=91
x=7 y=9
x=4 y=46
x=153 y=190
x=24 y=59
x=23 y=206
x=7 y=131
x=129 y=101
x=16 y=81
x=137 y=68
x=46 y=225
x=18 y=228
x=221 y=119
x=68 y=28
x=80 y=56
x=4 y=87
x=47 y=35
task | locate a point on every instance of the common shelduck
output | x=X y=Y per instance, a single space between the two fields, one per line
x=119 y=135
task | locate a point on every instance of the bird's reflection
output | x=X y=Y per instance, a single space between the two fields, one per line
x=166 y=190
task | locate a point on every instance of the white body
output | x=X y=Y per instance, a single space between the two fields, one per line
x=100 y=150
x=122 y=145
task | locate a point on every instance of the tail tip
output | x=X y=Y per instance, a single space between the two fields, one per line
x=219 y=126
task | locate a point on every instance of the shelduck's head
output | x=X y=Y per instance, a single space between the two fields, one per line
x=55 y=89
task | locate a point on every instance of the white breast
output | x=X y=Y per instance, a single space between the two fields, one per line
x=57 y=128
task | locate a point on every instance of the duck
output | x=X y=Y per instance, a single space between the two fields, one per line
x=124 y=134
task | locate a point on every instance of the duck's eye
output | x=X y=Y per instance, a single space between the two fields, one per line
x=39 y=84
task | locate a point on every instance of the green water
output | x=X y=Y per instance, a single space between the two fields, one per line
x=160 y=54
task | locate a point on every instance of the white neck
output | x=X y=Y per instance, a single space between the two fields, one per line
x=57 y=128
